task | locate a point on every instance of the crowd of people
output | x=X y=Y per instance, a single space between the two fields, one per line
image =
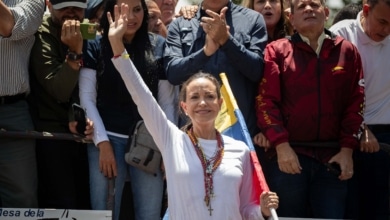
x=315 y=100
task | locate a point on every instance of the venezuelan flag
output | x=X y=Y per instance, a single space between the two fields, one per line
x=230 y=122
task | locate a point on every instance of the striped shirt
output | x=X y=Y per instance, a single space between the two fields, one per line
x=15 y=50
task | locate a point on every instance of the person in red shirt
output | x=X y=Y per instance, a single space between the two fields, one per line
x=311 y=94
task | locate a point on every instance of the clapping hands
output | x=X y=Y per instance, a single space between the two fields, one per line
x=217 y=32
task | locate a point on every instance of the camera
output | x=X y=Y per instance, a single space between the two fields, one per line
x=88 y=30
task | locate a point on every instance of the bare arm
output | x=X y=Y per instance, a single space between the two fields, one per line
x=7 y=20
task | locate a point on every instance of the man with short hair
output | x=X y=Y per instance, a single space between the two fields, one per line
x=222 y=37
x=167 y=8
x=19 y=20
x=370 y=33
x=311 y=94
x=56 y=58
x=155 y=24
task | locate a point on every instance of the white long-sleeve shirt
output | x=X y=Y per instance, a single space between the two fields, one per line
x=234 y=197
x=376 y=66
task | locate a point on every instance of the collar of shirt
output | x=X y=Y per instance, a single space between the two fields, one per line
x=320 y=40
x=364 y=38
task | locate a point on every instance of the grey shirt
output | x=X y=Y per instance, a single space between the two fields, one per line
x=15 y=49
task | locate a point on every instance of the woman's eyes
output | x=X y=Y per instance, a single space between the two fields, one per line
x=137 y=9
x=210 y=96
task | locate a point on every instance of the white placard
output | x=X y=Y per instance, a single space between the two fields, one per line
x=53 y=214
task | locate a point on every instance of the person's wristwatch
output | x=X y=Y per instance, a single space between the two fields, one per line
x=72 y=56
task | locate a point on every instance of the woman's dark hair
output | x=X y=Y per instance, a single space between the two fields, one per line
x=140 y=49
x=140 y=41
x=283 y=28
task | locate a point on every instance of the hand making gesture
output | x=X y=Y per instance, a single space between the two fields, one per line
x=118 y=27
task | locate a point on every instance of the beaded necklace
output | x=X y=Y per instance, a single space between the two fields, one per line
x=209 y=165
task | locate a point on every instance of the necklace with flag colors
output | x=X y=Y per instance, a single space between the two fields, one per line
x=209 y=165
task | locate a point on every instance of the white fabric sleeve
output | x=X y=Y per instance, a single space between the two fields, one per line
x=166 y=100
x=88 y=94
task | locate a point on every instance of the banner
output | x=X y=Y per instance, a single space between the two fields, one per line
x=53 y=214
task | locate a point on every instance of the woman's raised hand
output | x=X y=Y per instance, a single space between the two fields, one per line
x=118 y=27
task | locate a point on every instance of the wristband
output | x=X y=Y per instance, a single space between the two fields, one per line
x=124 y=55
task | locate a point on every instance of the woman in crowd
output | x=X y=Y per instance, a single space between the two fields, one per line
x=278 y=26
x=209 y=175
x=276 y=20
x=104 y=95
